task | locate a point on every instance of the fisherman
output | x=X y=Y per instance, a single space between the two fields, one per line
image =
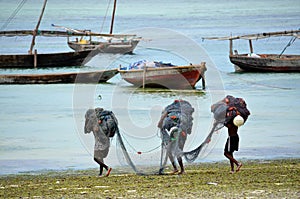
x=232 y=144
x=175 y=124
x=104 y=125
x=233 y=113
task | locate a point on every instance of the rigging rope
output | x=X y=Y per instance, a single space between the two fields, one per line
x=105 y=16
x=12 y=16
x=292 y=40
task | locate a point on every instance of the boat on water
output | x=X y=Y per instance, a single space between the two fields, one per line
x=43 y=60
x=253 y=62
x=109 y=43
x=106 y=43
x=99 y=76
x=158 y=74
x=265 y=62
x=35 y=59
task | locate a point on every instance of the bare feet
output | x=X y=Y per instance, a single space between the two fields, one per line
x=108 y=172
x=181 y=172
x=239 y=167
x=174 y=172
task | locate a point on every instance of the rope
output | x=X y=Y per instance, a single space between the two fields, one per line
x=11 y=17
x=139 y=152
x=108 y=5
x=139 y=138
x=289 y=44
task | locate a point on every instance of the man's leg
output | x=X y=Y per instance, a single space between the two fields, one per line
x=101 y=170
x=181 y=165
x=233 y=161
x=175 y=170
x=102 y=165
x=170 y=149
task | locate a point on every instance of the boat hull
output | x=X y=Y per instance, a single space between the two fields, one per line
x=105 y=47
x=179 y=77
x=57 y=78
x=43 y=60
x=267 y=63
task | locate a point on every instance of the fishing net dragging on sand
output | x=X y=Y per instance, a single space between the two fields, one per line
x=132 y=155
x=175 y=126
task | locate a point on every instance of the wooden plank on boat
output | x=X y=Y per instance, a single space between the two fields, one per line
x=257 y=36
x=54 y=33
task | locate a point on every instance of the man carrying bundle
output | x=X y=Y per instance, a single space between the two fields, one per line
x=104 y=126
x=233 y=113
x=175 y=124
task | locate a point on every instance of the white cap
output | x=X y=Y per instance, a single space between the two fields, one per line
x=238 y=121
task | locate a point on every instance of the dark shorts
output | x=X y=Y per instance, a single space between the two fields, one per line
x=232 y=144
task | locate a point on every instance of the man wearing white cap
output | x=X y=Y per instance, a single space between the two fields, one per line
x=232 y=143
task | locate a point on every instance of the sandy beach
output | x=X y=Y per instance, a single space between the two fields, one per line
x=257 y=179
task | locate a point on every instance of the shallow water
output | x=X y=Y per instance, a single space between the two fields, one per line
x=41 y=125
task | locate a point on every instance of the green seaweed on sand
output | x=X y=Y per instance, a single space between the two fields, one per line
x=257 y=179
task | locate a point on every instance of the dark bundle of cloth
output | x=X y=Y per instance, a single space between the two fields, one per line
x=227 y=109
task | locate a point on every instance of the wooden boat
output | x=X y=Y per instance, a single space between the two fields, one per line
x=266 y=62
x=34 y=59
x=61 y=59
x=111 y=43
x=56 y=78
x=263 y=62
x=172 y=77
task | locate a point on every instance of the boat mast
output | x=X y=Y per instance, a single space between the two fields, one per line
x=250 y=45
x=230 y=47
x=36 y=28
x=113 y=18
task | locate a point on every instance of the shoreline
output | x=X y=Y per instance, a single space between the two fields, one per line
x=41 y=166
x=257 y=179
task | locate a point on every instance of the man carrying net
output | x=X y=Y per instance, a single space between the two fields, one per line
x=175 y=124
x=233 y=113
x=104 y=126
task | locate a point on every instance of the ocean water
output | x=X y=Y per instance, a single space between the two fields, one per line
x=41 y=125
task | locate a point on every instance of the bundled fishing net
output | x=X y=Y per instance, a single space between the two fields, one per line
x=224 y=111
x=101 y=135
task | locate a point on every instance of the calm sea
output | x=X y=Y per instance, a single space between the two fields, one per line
x=41 y=125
